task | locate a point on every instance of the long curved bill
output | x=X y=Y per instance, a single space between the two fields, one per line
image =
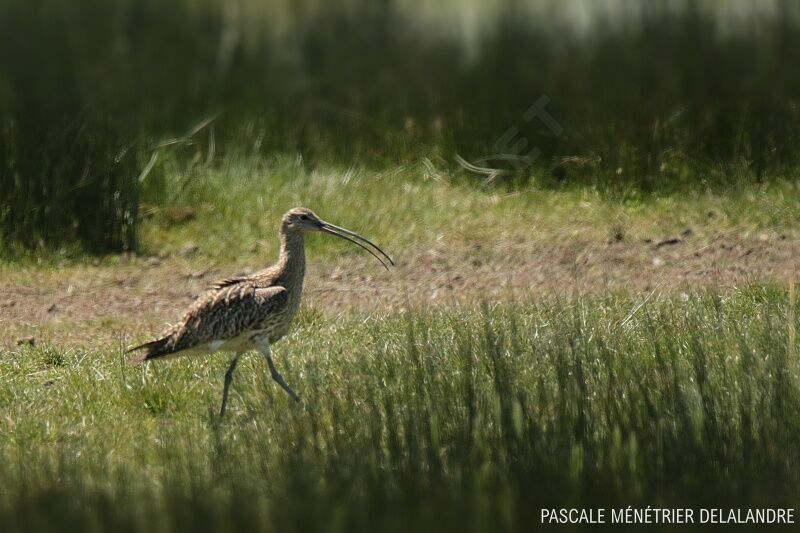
x=360 y=240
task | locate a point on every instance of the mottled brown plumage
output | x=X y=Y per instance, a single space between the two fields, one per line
x=250 y=312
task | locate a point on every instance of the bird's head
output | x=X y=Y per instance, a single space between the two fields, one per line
x=303 y=220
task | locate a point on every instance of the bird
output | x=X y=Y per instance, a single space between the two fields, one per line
x=251 y=312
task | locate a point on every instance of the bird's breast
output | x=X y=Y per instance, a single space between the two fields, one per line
x=277 y=324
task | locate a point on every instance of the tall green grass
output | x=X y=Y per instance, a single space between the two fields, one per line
x=661 y=101
x=429 y=420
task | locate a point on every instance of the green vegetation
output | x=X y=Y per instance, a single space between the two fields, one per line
x=456 y=420
x=181 y=131
x=204 y=205
x=664 y=101
x=414 y=205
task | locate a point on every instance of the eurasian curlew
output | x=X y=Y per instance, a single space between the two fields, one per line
x=251 y=312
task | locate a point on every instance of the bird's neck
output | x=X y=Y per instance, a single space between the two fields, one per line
x=292 y=259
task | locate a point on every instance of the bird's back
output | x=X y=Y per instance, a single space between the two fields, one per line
x=232 y=311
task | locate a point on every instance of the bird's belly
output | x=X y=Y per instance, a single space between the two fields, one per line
x=272 y=327
x=249 y=340
x=276 y=327
x=241 y=343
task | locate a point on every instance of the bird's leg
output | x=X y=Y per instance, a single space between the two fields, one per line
x=228 y=379
x=265 y=349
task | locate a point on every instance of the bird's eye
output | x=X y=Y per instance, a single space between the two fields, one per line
x=303 y=217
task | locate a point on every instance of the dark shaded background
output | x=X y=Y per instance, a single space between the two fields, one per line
x=660 y=100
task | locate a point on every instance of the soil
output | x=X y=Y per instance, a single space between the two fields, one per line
x=85 y=305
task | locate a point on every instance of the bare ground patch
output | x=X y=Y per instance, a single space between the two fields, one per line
x=88 y=305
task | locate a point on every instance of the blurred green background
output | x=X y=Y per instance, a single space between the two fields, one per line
x=95 y=95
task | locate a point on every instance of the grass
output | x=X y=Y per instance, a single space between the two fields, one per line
x=662 y=99
x=458 y=419
x=229 y=211
x=462 y=418
x=410 y=206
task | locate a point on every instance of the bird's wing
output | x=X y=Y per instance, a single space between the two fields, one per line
x=262 y=278
x=227 y=282
x=220 y=314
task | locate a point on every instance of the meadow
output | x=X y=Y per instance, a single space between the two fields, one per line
x=607 y=321
x=470 y=411
x=454 y=419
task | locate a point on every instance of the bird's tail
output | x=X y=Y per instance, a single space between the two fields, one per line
x=151 y=350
